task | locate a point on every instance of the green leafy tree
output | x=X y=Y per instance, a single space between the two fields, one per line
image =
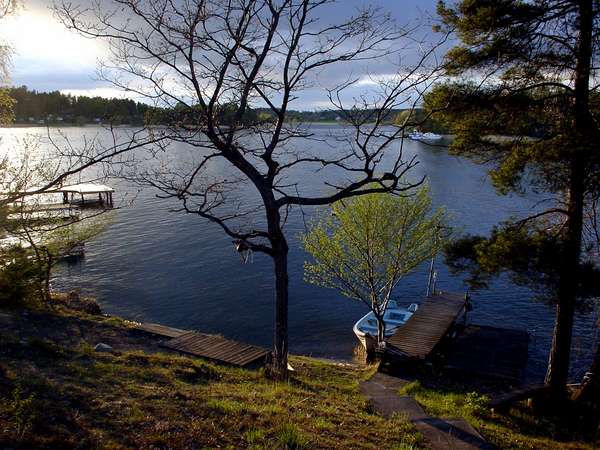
x=532 y=116
x=32 y=237
x=369 y=243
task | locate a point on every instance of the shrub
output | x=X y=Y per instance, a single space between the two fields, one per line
x=19 y=277
x=476 y=403
x=23 y=411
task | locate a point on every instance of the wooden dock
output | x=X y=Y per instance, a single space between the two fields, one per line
x=419 y=336
x=218 y=349
x=80 y=194
x=208 y=346
x=161 y=330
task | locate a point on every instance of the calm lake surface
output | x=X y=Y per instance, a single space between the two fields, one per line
x=156 y=265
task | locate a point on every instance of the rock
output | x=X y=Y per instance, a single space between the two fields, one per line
x=85 y=304
x=90 y=306
x=103 y=348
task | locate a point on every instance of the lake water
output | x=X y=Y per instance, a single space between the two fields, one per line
x=156 y=265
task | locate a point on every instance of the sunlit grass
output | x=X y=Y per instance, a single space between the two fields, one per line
x=72 y=396
x=135 y=399
x=518 y=429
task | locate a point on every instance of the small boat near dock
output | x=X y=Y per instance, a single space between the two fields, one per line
x=395 y=316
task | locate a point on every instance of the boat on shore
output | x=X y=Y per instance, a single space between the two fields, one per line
x=394 y=317
x=428 y=136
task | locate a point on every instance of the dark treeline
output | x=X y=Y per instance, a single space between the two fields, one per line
x=54 y=107
x=32 y=107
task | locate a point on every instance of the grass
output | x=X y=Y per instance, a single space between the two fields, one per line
x=58 y=393
x=518 y=429
x=290 y=437
x=254 y=436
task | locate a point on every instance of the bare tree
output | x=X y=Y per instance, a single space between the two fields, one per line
x=207 y=62
x=30 y=172
x=31 y=167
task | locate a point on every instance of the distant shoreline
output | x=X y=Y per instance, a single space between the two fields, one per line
x=62 y=125
x=71 y=125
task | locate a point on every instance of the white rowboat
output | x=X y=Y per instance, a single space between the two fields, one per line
x=418 y=136
x=394 y=317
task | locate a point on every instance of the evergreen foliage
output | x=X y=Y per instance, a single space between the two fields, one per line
x=31 y=106
x=532 y=118
x=19 y=277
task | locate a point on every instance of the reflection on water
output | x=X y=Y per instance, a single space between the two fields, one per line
x=161 y=266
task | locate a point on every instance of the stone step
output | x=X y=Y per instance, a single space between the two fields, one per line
x=440 y=434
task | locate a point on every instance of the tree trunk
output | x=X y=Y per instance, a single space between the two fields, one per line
x=280 y=261
x=47 y=276
x=589 y=393
x=558 y=364
x=281 y=316
x=380 y=330
x=560 y=352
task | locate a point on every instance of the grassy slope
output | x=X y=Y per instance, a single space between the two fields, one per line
x=58 y=392
x=518 y=429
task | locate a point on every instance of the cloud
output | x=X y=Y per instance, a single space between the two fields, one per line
x=108 y=92
x=376 y=79
x=45 y=52
x=49 y=57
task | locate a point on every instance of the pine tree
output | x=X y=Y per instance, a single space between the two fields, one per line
x=532 y=71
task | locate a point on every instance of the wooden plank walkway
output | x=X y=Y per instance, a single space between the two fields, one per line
x=217 y=348
x=427 y=327
x=161 y=330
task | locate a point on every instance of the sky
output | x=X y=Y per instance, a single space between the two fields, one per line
x=48 y=57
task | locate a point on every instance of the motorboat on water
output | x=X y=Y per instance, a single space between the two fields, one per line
x=419 y=136
x=394 y=317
